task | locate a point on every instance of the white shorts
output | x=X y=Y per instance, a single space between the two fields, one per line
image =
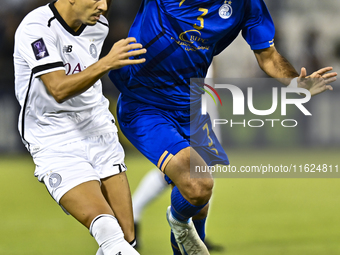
x=63 y=167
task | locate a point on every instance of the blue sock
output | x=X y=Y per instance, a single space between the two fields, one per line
x=181 y=209
x=200 y=228
x=174 y=245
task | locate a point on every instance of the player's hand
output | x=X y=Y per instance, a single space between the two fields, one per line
x=318 y=81
x=121 y=51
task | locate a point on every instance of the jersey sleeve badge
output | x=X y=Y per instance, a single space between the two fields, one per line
x=225 y=10
x=39 y=49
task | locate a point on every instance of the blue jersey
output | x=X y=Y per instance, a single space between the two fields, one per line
x=181 y=38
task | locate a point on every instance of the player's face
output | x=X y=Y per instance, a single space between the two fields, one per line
x=89 y=11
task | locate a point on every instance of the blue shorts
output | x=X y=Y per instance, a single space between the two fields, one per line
x=159 y=134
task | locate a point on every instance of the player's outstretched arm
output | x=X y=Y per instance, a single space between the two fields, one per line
x=63 y=87
x=276 y=66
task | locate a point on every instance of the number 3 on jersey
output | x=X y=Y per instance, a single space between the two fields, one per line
x=180 y=4
x=200 y=18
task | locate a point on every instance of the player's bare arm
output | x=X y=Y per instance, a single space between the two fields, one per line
x=63 y=87
x=276 y=66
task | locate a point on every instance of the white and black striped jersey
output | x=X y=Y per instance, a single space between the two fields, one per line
x=45 y=43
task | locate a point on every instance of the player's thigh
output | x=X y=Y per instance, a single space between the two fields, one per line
x=182 y=166
x=153 y=131
x=116 y=190
x=71 y=179
x=196 y=190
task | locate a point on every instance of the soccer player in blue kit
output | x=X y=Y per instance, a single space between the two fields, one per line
x=181 y=38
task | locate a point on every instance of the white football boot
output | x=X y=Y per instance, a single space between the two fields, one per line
x=186 y=236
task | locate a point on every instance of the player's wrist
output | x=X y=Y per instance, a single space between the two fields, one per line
x=294 y=84
x=105 y=64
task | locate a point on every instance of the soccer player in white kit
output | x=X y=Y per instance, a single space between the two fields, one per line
x=64 y=121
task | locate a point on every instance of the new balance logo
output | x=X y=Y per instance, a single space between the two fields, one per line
x=119 y=253
x=67 y=49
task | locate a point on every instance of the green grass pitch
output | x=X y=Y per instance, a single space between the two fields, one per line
x=248 y=216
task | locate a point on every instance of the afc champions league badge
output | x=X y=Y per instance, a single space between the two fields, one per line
x=225 y=10
x=93 y=51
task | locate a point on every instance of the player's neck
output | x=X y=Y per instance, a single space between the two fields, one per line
x=68 y=15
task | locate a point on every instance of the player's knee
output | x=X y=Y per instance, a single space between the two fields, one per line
x=199 y=191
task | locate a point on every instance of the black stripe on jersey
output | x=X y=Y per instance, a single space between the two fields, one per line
x=173 y=76
x=165 y=86
x=160 y=34
x=63 y=23
x=153 y=63
x=49 y=21
x=24 y=110
x=103 y=23
x=38 y=69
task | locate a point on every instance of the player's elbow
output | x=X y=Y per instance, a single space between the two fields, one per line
x=265 y=66
x=57 y=85
x=60 y=100
x=58 y=96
